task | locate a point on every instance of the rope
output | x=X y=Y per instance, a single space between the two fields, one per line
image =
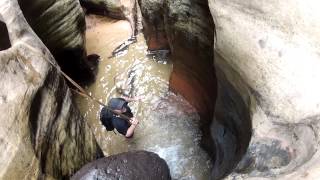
x=84 y=92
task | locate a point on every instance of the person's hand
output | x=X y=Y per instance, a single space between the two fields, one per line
x=138 y=98
x=134 y=121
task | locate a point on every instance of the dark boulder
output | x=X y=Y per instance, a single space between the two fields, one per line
x=137 y=165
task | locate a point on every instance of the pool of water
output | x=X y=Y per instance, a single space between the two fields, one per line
x=168 y=123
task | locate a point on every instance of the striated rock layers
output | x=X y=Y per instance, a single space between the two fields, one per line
x=134 y=165
x=268 y=56
x=111 y=8
x=60 y=24
x=186 y=27
x=42 y=134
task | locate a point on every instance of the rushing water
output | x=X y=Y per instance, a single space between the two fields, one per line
x=168 y=123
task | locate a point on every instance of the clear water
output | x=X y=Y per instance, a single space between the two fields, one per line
x=168 y=123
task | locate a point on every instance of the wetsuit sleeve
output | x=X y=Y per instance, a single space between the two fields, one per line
x=121 y=125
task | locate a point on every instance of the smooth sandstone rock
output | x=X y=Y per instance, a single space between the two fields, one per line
x=153 y=24
x=267 y=56
x=60 y=24
x=134 y=165
x=42 y=134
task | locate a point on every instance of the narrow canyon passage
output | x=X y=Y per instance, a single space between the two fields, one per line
x=237 y=99
x=169 y=125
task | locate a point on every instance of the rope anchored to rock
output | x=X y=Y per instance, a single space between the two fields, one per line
x=84 y=93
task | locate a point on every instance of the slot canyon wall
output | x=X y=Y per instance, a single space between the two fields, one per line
x=267 y=61
x=119 y=9
x=187 y=29
x=60 y=24
x=42 y=134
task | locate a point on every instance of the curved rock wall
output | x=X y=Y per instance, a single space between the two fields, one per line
x=153 y=24
x=190 y=33
x=60 y=24
x=111 y=8
x=187 y=28
x=42 y=135
x=118 y=9
x=268 y=54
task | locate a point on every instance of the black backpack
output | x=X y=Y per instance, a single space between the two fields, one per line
x=106 y=118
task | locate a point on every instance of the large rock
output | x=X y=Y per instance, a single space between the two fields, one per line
x=135 y=165
x=267 y=61
x=60 y=24
x=42 y=134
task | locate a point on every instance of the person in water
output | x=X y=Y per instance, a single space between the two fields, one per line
x=113 y=121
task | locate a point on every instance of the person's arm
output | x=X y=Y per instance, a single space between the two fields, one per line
x=134 y=123
x=128 y=99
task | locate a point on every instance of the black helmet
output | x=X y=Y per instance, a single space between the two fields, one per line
x=116 y=103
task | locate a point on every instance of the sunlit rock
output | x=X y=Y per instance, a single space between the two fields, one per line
x=134 y=165
x=267 y=66
x=42 y=134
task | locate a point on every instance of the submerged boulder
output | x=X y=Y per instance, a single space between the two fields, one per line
x=134 y=165
x=267 y=56
x=42 y=134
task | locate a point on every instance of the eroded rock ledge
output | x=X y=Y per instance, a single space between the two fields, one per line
x=42 y=134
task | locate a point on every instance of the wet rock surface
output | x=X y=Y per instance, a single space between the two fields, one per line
x=153 y=24
x=60 y=24
x=42 y=134
x=267 y=54
x=134 y=165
